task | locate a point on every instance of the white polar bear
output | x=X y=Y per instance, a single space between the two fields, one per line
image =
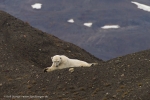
x=61 y=62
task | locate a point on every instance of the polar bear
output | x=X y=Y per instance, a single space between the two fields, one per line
x=61 y=62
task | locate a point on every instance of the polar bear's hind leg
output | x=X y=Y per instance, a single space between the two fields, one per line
x=94 y=64
x=89 y=65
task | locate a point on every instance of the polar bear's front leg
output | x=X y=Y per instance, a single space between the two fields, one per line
x=50 y=69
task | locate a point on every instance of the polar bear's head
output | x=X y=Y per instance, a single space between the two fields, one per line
x=56 y=60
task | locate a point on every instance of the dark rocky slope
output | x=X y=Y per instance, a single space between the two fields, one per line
x=25 y=51
x=132 y=36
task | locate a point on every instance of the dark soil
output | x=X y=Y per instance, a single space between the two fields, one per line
x=26 y=51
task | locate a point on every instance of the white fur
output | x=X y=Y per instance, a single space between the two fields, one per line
x=61 y=62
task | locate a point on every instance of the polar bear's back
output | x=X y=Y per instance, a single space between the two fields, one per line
x=64 y=57
x=78 y=63
x=67 y=62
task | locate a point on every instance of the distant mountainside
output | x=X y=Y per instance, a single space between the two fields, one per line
x=26 y=51
x=18 y=38
x=132 y=36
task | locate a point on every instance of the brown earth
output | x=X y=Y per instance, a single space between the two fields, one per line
x=25 y=51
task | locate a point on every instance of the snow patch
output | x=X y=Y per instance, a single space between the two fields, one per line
x=88 y=24
x=70 y=21
x=36 y=6
x=110 y=26
x=142 y=6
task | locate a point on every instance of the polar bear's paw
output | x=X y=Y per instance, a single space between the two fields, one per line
x=45 y=70
x=49 y=69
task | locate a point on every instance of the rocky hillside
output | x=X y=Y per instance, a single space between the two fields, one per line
x=103 y=43
x=25 y=51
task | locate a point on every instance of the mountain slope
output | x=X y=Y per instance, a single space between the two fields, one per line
x=32 y=44
x=25 y=51
x=132 y=36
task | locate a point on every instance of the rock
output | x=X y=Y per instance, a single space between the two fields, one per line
x=122 y=75
x=1 y=84
x=19 y=78
x=114 y=96
x=117 y=61
x=71 y=70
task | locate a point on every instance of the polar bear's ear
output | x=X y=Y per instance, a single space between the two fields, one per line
x=51 y=57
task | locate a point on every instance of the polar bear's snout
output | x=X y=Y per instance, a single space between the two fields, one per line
x=56 y=63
